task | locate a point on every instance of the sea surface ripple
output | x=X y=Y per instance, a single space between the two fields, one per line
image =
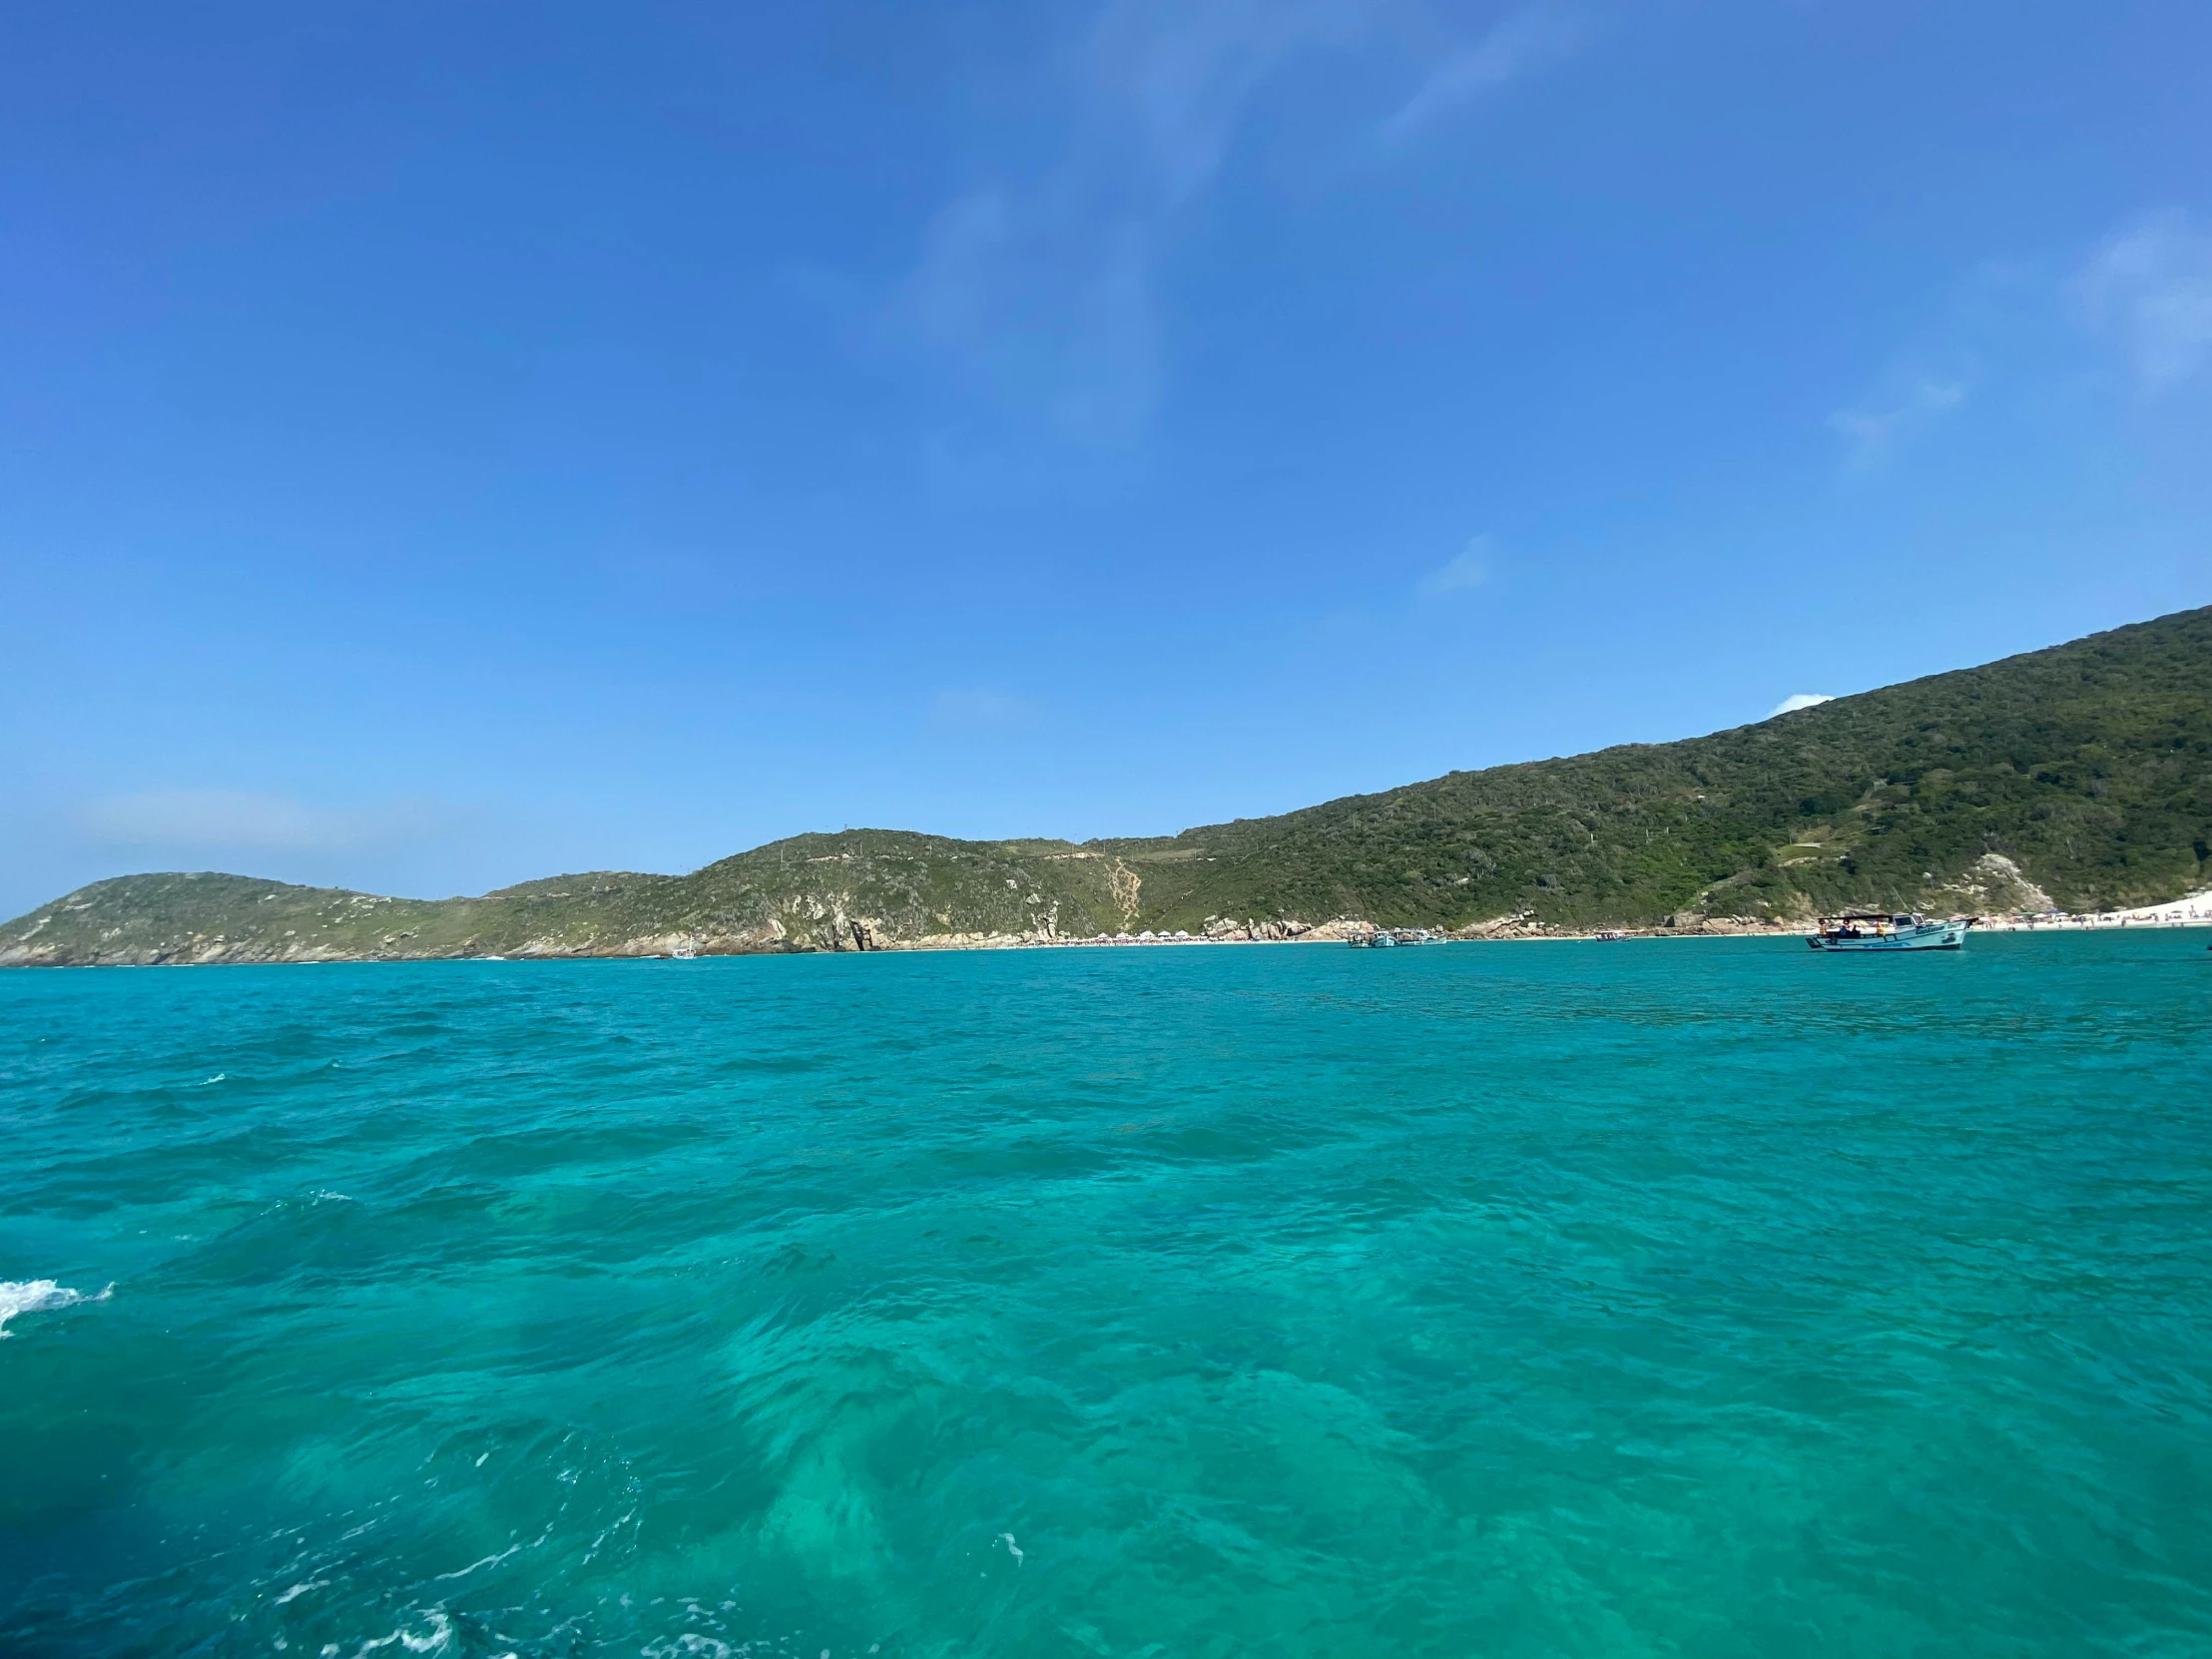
x=1672 y=1298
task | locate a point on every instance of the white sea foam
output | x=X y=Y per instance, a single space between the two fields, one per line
x=487 y=1561
x=692 y=1644
x=1012 y=1548
x=39 y=1296
x=435 y=1640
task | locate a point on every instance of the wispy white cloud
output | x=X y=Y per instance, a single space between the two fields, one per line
x=2151 y=284
x=1175 y=75
x=1041 y=307
x=1903 y=401
x=1798 y=699
x=1041 y=295
x=1466 y=571
x=1522 y=42
x=1037 y=288
x=210 y=819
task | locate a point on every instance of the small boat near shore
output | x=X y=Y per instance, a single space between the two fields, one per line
x=1867 y=930
x=1383 y=939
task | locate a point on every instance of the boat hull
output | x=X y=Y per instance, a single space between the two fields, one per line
x=1931 y=936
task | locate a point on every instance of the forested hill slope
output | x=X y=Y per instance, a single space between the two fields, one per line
x=2080 y=775
x=2087 y=766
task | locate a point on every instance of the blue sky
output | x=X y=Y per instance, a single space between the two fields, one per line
x=446 y=445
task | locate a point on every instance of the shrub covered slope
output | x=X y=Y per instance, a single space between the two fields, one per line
x=2088 y=765
x=2081 y=772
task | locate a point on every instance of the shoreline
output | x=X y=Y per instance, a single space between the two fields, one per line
x=2193 y=911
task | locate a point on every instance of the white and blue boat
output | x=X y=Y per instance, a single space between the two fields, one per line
x=1867 y=930
x=1385 y=937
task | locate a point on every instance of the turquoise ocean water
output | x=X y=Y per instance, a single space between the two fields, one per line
x=1673 y=1298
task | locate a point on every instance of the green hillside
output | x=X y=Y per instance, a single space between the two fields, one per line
x=2083 y=772
x=861 y=889
x=2088 y=765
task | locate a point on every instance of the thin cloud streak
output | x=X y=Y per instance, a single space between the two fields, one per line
x=1464 y=572
x=1042 y=297
x=1039 y=309
x=1873 y=427
x=1040 y=294
x=1174 y=76
x=1520 y=43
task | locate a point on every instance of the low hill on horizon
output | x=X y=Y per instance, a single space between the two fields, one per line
x=2078 y=776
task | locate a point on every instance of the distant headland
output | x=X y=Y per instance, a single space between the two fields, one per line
x=2076 y=779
